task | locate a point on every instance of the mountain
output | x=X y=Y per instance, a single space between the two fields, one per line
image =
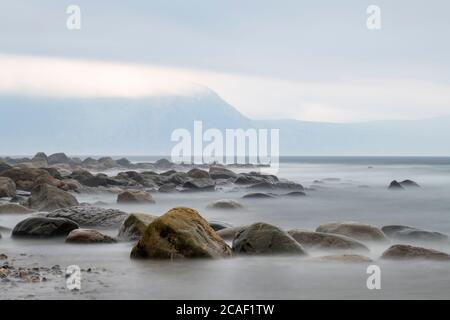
x=143 y=126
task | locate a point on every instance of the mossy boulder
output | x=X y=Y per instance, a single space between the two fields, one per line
x=180 y=233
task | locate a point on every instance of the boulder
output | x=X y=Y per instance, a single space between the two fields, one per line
x=345 y=258
x=180 y=233
x=395 y=185
x=181 y=178
x=168 y=187
x=44 y=227
x=134 y=226
x=124 y=162
x=405 y=252
x=40 y=160
x=88 y=236
x=81 y=175
x=230 y=233
x=258 y=195
x=88 y=216
x=202 y=184
x=217 y=172
x=45 y=197
x=14 y=208
x=325 y=241
x=57 y=158
x=225 y=204
x=7 y=187
x=4 y=166
x=265 y=239
x=163 y=164
x=134 y=196
x=358 y=231
x=295 y=194
x=198 y=173
x=107 y=162
x=400 y=232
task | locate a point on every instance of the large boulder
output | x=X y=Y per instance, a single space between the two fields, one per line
x=14 y=208
x=44 y=227
x=25 y=178
x=7 y=187
x=4 y=166
x=230 y=233
x=358 y=231
x=88 y=236
x=400 y=232
x=405 y=252
x=325 y=241
x=395 y=185
x=163 y=164
x=265 y=239
x=180 y=233
x=45 y=197
x=134 y=196
x=134 y=226
x=197 y=173
x=409 y=184
x=88 y=216
x=40 y=160
x=225 y=204
x=124 y=162
x=81 y=175
x=218 y=172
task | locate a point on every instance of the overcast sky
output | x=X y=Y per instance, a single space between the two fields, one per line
x=309 y=60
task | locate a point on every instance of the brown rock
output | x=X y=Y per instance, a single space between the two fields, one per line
x=88 y=236
x=405 y=252
x=135 y=197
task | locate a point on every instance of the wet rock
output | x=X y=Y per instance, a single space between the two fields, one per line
x=409 y=184
x=358 y=231
x=88 y=236
x=352 y=258
x=4 y=166
x=43 y=227
x=13 y=208
x=225 y=204
x=40 y=160
x=258 y=195
x=325 y=241
x=202 y=184
x=45 y=197
x=265 y=239
x=88 y=216
x=406 y=252
x=134 y=226
x=107 y=163
x=395 y=185
x=410 y=233
x=54 y=173
x=198 y=173
x=134 y=178
x=163 y=164
x=219 y=225
x=7 y=187
x=180 y=178
x=81 y=175
x=180 y=233
x=124 y=162
x=217 y=172
x=134 y=196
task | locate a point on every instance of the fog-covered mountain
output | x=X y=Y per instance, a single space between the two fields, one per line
x=119 y=126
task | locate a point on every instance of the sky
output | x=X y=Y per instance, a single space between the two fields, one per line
x=306 y=60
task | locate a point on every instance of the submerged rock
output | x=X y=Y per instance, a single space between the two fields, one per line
x=295 y=194
x=134 y=226
x=405 y=252
x=88 y=236
x=198 y=173
x=45 y=197
x=352 y=258
x=265 y=239
x=325 y=241
x=395 y=185
x=258 y=195
x=409 y=233
x=168 y=187
x=225 y=204
x=135 y=197
x=7 y=187
x=88 y=216
x=358 y=231
x=44 y=227
x=180 y=233
x=14 y=208
x=202 y=184
x=409 y=184
x=217 y=172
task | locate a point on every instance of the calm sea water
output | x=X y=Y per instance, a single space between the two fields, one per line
x=357 y=192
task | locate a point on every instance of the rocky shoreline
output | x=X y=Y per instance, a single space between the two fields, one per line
x=46 y=189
